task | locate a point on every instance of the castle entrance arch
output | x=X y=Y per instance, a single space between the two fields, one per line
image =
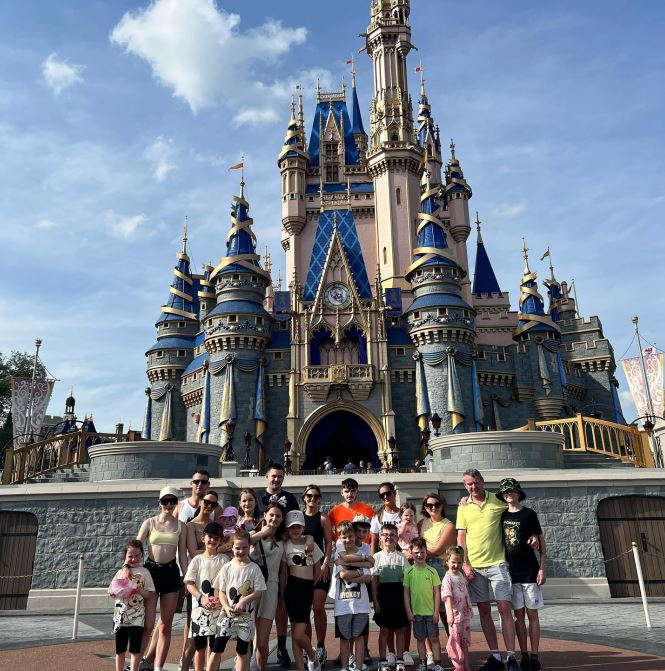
x=341 y=434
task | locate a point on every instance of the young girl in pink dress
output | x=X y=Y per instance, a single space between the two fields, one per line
x=455 y=594
x=407 y=529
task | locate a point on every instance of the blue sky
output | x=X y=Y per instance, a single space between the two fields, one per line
x=118 y=119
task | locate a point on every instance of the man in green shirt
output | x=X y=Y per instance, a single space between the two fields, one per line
x=479 y=532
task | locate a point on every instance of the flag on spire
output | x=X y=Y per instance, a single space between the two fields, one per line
x=237 y=166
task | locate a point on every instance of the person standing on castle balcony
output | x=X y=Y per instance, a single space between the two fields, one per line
x=275 y=494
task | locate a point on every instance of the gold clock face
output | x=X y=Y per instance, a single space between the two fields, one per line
x=337 y=295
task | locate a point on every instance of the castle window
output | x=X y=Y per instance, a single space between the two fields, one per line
x=181 y=325
x=204 y=306
x=284 y=325
x=331 y=149
x=259 y=321
x=385 y=256
x=400 y=351
x=442 y=312
x=255 y=278
x=233 y=319
x=181 y=352
x=398 y=196
x=466 y=313
x=166 y=325
x=236 y=277
x=481 y=355
x=159 y=354
x=332 y=173
x=277 y=356
x=416 y=315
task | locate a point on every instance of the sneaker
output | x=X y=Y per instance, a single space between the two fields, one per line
x=512 y=665
x=390 y=658
x=367 y=659
x=437 y=667
x=525 y=663
x=399 y=665
x=430 y=659
x=535 y=664
x=408 y=659
x=422 y=666
x=283 y=658
x=321 y=654
x=145 y=665
x=492 y=664
x=352 y=662
x=314 y=665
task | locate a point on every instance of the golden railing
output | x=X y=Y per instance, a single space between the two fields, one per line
x=58 y=452
x=586 y=434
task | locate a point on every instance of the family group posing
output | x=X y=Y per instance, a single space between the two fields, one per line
x=270 y=562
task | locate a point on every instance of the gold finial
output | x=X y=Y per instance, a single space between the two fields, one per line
x=452 y=150
x=478 y=222
x=525 y=254
x=242 y=176
x=293 y=109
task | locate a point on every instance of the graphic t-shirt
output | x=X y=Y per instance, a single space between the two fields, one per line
x=130 y=612
x=389 y=566
x=349 y=597
x=239 y=580
x=202 y=571
x=380 y=519
x=517 y=529
x=285 y=499
x=300 y=564
x=421 y=583
x=455 y=586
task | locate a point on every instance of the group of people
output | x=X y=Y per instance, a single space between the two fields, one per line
x=275 y=559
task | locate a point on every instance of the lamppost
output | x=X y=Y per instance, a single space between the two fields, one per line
x=229 y=427
x=392 y=452
x=436 y=423
x=287 y=456
x=248 y=445
x=648 y=424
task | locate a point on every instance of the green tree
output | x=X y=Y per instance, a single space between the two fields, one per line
x=17 y=364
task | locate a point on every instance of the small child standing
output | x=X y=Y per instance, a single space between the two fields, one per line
x=239 y=585
x=422 y=600
x=201 y=573
x=349 y=592
x=130 y=587
x=388 y=596
x=229 y=520
x=300 y=571
x=407 y=529
x=455 y=593
x=527 y=571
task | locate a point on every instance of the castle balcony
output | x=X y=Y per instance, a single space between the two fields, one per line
x=359 y=379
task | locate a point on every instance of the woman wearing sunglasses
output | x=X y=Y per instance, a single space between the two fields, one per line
x=317 y=525
x=437 y=530
x=167 y=540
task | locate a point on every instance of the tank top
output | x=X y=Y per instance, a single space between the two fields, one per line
x=431 y=532
x=187 y=511
x=158 y=537
x=314 y=528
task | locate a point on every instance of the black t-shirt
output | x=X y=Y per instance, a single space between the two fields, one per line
x=287 y=500
x=517 y=529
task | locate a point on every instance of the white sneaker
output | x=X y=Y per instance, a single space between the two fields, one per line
x=408 y=659
x=390 y=658
x=437 y=667
x=352 y=662
x=430 y=659
x=384 y=666
x=313 y=665
x=399 y=665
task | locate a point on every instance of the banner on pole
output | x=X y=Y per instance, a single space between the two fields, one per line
x=43 y=388
x=632 y=368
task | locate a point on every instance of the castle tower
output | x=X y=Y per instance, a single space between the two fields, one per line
x=428 y=136
x=236 y=332
x=358 y=130
x=538 y=340
x=176 y=327
x=441 y=325
x=457 y=193
x=394 y=156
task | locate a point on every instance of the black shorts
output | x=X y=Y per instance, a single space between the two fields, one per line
x=323 y=585
x=131 y=636
x=219 y=645
x=298 y=596
x=165 y=576
x=200 y=642
x=392 y=613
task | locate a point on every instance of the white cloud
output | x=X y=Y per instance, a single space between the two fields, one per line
x=45 y=224
x=508 y=210
x=59 y=74
x=161 y=153
x=124 y=226
x=198 y=51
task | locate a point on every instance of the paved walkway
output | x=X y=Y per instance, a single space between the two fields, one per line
x=596 y=636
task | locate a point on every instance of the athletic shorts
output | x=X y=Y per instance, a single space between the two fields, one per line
x=201 y=642
x=492 y=583
x=424 y=627
x=392 y=613
x=527 y=595
x=128 y=636
x=298 y=597
x=165 y=576
x=351 y=625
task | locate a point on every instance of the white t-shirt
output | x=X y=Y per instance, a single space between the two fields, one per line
x=349 y=597
x=363 y=550
x=375 y=527
x=130 y=612
x=389 y=566
x=202 y=571
x=299 y=564
x=239 y=580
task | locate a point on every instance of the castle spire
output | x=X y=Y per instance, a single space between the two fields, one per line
x=294 y=139
x=554 y=289
x=181 y=302
x=484 y=279
x=357 y=127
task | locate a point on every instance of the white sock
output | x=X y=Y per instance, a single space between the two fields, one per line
x=495 y=653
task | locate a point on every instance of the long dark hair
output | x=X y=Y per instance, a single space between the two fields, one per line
x=282 y=527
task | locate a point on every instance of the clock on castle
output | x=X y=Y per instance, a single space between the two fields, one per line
x=384 y=324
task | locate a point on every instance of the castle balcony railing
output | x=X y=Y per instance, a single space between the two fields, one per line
x=55 y=453
x=358 y=378
x=587 y=434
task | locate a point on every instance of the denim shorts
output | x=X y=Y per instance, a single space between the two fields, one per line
x=492 y=583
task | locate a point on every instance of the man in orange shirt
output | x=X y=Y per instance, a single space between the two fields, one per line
x=350 y=507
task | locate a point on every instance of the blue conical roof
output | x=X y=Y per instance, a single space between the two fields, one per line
x=484 y=279
x=294 y=140
x=182 y=302
x=357 y=126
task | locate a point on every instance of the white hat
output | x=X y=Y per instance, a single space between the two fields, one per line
x=295 y=517
x=170 y=491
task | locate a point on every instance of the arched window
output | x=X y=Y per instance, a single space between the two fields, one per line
x=398 y=195
x=385 y=256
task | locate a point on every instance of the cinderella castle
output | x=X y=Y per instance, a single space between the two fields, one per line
x=385 y=328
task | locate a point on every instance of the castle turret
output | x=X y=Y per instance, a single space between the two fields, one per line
x=206 y=292
x=176 y=326
x=441 y=324
x=428 y=137
x=357 y=128
x=237 y=329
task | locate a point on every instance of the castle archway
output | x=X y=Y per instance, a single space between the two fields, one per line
x=342 y=432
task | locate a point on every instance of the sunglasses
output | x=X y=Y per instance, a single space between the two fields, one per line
x=208 y=502
x=433 y=505
x=386 y=495
x=200 y=482
x=169 y=502
x=312 y=496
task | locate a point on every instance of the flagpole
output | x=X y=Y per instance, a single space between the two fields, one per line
x=577 y=305
x=28 y=426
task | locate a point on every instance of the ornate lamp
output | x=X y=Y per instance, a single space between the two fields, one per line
x=248 y=445
x=392 y=449
x=436 y=423
x=230 y=427
x=287 y=455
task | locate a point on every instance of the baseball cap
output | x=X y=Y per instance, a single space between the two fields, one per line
x=170 y=491
x=361 y=520
x=295 y=517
